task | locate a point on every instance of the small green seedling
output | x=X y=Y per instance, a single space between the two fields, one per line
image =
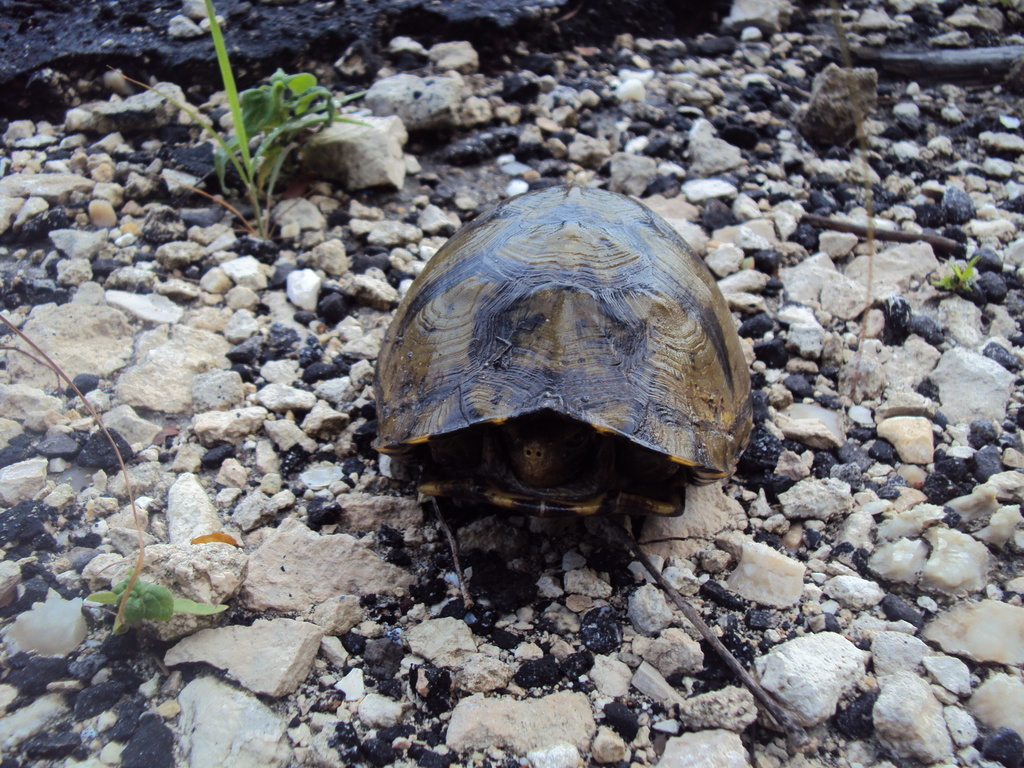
x=149 y=601
x=960 y=278
x=279 y=117
x=285 y=112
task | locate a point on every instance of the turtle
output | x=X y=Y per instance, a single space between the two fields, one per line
x=565 y=353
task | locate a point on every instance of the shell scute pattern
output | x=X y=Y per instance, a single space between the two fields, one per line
x=575 y=301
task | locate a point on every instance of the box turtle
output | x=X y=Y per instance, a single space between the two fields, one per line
x=564 y=354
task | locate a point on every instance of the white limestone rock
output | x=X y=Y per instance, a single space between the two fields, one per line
x=909 y=720
x=765 y=575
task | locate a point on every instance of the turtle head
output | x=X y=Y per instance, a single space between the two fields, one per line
x=545 y=450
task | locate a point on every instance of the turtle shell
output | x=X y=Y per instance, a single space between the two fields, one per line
x=576 y=301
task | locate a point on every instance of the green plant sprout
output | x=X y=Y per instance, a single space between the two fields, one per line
x=959 y=278
x=148 y=601
x=285 y=112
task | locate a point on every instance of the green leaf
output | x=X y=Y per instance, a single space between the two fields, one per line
x=182 y=605
x=257 y=110
x=103 y=598
x=300 y=83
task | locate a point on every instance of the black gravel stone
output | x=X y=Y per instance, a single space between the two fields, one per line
x=957 y=206
x=98 y=698
x=577 y=664
x=930 y=215
x=757 y=326
x=897 y=319
x=799 y=386
x=503 y=586
x=939 y=488
x=760 y=403
x=31 y=674
x=97 y=452
x=152 y=745
x=600 y=630
x=717 y=215
x=714 y=591
x=427 y=758
x=1003 y=356
x=927 y=328
x=987 y=461
x=12 y=454
x=515 y=87
x=762 y=453
x=982 y=433
x=58 y=446
x=758 y=619
x=264 y=251
x=883 y=451
x=504 y=639
x=279 y=278
x=988 y=260
x=742 y=136
x=51 y=746
x=1004 y=746
x=334 y=307
x=281 y=341
x=217 y=455
x=855 y=719
x=931 y=391
x=822 y=203
x=772 y=353
x=378 y=752
x=538 y=673
x=993 y=286
x=851 y=453
x=85 y=667
x=320 y=372
x=807 y=236
x=345 y=740
x=353 y=643
x=163 y=225
x=24 y=522
x=86 y=383
x=434 y=686
x=767 y=260
x=248 y=352
x=897 y=609
x=723 y=45
x=129 y=715
x=475 y=149
x=622 y=720
x=383 y=657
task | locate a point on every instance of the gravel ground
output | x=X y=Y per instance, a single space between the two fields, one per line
x=864 y=561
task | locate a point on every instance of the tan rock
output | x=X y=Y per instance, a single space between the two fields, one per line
x=999 y=703
x=958 y=563
x=296 y=568
x=162 y=378
x=908 y=719
x=812 y=432
x=80 y=338
x=708 y=513
x=444 y=642
x=985 y=631
x=705 y=749
x=767 y=576
x=911 y=436
x=366 y=512
x=521 y=726
x=270 y=657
